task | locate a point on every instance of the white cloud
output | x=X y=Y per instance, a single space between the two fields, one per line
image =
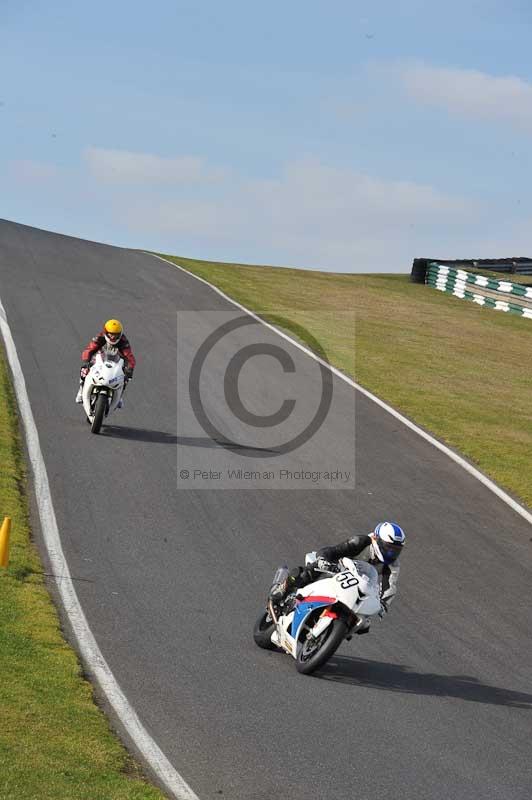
x=126 y=167
x=472 y=94
x=312 y=215
x=33 y=171
x=309 y=192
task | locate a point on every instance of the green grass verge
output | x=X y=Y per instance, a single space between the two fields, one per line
x=459 y=370
x=54 y=741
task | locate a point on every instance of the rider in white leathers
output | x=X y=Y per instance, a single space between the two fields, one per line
x=381 y=549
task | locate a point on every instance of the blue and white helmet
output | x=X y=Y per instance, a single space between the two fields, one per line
x=388 y=540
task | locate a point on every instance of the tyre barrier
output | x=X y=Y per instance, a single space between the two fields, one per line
x=520 y=265
x=513 y=298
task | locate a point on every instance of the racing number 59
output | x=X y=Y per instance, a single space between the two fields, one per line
x=347 y=580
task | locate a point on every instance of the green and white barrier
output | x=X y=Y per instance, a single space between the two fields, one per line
x=462 y=284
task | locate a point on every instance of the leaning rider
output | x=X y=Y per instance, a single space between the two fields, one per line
x=112 y=335
x=381 y=549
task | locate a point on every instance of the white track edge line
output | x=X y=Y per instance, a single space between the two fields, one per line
x=476 y=473
x=90 y=652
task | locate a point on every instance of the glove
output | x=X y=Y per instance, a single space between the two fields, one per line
x=383 y=610
x=84 y=371
x=128 y=373
x=324 y=565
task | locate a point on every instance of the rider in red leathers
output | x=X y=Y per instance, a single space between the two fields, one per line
x=112 y=335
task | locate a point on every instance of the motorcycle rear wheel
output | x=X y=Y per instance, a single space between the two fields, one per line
x=262 y=632
x=309 y=659
x=99 y=411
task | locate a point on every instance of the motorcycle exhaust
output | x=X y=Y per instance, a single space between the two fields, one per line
x=272 y=612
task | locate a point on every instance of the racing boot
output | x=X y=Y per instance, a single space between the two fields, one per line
x=79 y=396
x=362 y=626
x=120 y=403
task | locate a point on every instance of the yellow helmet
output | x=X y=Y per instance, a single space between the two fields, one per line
x=112 y=331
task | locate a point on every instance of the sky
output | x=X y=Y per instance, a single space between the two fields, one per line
x=345 y=136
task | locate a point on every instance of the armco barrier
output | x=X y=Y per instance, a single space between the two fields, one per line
x=500 y=295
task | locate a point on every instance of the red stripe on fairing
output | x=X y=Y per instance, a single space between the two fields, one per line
x=315 y=598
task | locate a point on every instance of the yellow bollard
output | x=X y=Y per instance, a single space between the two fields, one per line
x=5 y=530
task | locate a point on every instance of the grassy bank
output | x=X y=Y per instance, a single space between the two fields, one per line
x=54 y=741
x=459 y=370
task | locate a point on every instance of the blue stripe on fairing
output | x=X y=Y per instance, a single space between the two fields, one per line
x=302 y=609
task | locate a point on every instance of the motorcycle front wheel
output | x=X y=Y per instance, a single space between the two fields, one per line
x=262 y=632
x=313 y=653
x=99 y=412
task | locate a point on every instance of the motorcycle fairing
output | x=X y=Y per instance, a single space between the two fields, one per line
x=105 y=375
x=304 y=607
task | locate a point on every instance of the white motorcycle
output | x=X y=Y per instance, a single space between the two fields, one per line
x=312 y=622
x=103 y=386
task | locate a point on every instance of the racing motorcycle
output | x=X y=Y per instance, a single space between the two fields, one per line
x=103 y=386
x=312 y=622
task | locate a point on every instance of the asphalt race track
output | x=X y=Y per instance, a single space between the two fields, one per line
x=436 y=702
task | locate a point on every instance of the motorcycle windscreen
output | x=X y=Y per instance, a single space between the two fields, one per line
x=368 y=577
x=111 y=355
x=369 y=588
